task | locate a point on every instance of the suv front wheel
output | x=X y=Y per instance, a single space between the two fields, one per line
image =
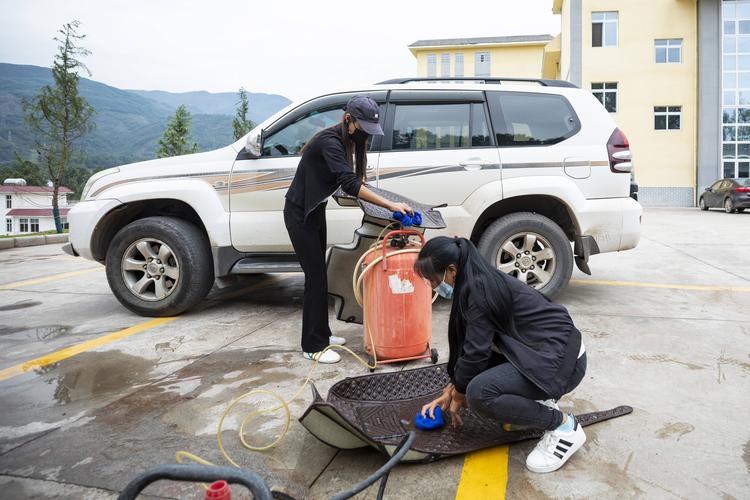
x=159 y=266
x=530 y=247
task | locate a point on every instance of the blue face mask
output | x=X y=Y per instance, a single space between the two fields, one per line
x=444 y=289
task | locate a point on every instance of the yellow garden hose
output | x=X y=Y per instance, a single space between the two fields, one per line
x=357 y=278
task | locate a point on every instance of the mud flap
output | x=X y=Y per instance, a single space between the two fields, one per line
x=378 y=410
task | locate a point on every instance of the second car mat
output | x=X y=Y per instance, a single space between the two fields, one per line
x=378 y=410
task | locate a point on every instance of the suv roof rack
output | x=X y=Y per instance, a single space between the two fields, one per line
x=497 y=80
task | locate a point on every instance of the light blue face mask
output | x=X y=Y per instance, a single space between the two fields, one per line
x=444 y=289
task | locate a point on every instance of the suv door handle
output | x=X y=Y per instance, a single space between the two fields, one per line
x=474 y=164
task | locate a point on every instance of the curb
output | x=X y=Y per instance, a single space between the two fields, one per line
x=31 y=241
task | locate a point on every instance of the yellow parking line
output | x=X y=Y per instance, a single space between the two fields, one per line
x=485 y=474
x=68 y=352
x=641 y=284
x=46 y=279
x=71 y=351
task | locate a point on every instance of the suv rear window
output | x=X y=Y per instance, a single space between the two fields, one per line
x=531 y=119
x=439 y=126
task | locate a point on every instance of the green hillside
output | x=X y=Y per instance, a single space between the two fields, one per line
x=128 y=125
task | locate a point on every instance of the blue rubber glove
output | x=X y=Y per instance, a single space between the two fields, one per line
x=408 y=220
x=427 y=423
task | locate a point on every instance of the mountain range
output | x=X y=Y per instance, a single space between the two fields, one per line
x=128 y=122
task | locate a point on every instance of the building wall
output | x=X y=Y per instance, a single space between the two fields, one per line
x=29 y=200
x=665 y=160
x=523 y=61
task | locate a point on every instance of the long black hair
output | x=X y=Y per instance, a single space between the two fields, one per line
x=477 y=283
x=355 y=152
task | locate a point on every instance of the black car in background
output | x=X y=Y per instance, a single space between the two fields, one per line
x=733 y=195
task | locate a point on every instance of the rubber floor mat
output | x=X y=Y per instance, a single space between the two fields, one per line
x=378 y=410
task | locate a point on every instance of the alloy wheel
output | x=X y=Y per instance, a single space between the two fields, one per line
x=529 y=257
x=150 y=269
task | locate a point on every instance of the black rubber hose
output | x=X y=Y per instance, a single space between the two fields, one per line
x=197 y=474
x=381 y=489
x=401 y=450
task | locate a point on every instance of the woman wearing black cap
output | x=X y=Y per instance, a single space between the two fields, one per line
x=326 y=164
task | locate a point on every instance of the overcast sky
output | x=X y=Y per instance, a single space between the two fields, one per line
x=291 y=48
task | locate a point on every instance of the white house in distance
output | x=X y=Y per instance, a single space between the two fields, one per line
x=28 y=209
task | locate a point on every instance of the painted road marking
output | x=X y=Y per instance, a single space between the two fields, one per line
x=71 y=351
x=46 y=279
x=484 y=475
x=641 y=284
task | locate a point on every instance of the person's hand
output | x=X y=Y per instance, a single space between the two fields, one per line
x=458 y=401
x=443 y=402
x=402 y=208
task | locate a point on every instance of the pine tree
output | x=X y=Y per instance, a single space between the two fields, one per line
x=241 y=124
x=176 y=137
x=58 y=114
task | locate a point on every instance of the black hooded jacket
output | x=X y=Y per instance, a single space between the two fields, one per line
x=321 y=170
x=544 y=346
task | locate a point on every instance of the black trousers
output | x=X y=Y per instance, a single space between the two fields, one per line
x=309 y=242
x=505 y=395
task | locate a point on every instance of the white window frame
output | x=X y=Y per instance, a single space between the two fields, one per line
x=64 y=222
x=667 y=114
x=32 y=224
x=445 y=65
x=604 y=91
x=458 y=64
x=431 y=65
x=609 y=21
x=8 y=201
x=665 y=44
x=23 y=223
x=8 y=226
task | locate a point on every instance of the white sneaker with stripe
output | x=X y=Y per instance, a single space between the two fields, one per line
x=555 y=448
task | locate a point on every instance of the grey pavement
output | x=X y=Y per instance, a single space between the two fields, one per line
x=83 y=426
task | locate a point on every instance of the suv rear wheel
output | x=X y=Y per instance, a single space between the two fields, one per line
x=159 y=266
x=530 y=247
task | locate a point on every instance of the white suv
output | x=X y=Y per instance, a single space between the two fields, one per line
x=534 y=171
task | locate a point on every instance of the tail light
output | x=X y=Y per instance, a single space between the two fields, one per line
x=619 y=153
x=743 y=189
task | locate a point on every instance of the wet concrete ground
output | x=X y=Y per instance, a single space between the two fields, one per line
x=83 y=426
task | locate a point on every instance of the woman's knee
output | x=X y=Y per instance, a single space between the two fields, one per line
x=476 y=394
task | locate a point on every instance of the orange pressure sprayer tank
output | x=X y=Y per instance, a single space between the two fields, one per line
x=397 y=302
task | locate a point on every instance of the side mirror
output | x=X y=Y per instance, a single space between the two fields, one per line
x=254 y=144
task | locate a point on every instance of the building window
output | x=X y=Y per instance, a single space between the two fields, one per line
x=23 y=225
x=604 y=29
x=64 y=222
x=8 y=225
x=667 y=117
x=735 y=83
x=668 y=50
x=445 y=65
x=34 y=225
x=606 y=92
x=431 y=65
x=482 y=64
x=8 y=201
x=458 y=65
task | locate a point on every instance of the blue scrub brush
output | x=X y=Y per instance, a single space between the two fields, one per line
x=408 y=220
x=427 y=423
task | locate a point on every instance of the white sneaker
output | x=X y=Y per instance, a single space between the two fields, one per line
x=555 y=448
x=334 y=340
x=328 y=357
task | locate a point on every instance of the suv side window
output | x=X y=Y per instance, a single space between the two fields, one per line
x=439 y=126
x=289 y=140
x=531 y=119
x=288 y=135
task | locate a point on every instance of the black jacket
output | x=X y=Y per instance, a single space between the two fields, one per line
x=544 y=347
x=321 y=170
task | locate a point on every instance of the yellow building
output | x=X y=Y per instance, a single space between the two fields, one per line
x=657 y=67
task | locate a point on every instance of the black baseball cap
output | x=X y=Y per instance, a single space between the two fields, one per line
x=366 y=112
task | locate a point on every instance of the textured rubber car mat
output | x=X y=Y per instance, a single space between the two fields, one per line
x=378 y=410
x=431 y=218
